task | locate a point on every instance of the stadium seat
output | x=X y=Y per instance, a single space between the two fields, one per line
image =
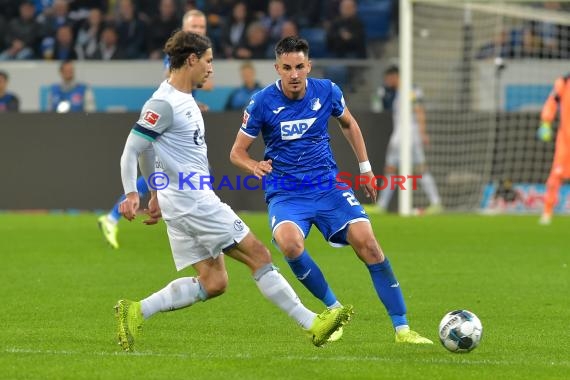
x=317 y=39
x=376 y=14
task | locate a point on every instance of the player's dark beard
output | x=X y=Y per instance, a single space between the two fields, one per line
x=200 y=85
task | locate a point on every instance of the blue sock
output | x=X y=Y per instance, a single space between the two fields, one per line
x=389 y=291
x=311 y=276
x=142 y=188
x=115 y=215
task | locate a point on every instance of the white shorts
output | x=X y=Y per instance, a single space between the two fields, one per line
x=393 y=154
x=205 y=233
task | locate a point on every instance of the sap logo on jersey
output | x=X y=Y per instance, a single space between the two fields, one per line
x=295 y=129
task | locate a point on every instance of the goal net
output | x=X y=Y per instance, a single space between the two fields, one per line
x=486 y=68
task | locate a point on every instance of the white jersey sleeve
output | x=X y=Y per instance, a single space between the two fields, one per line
x=155 y=118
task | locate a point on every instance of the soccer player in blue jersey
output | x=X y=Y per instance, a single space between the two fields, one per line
x=193 y=21
x=300 y=178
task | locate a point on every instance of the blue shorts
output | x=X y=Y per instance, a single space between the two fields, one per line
x=330 y=211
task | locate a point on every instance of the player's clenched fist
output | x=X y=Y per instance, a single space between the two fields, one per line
x=263 y=168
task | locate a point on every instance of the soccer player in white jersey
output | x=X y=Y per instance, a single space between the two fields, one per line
x=193 y=21
x=301 y=184
x=169 y=136
x=420 y=138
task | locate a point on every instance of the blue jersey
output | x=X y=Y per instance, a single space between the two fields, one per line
x=296 y=135
x=75 y=96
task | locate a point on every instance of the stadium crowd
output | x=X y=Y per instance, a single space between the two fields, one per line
x=137 y=29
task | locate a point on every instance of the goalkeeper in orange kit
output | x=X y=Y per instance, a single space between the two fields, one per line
x=558 y=101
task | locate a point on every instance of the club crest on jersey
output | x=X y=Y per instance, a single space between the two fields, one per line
x=295 y=129
x=151 y=117
x=315 y=104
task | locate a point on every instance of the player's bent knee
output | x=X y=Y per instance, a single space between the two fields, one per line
x=215 y=285
x=292 y=248
x=369 y=251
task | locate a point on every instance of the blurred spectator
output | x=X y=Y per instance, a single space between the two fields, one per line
x=289 y=29
x=23 y=34
x=194 y=21
x=54 y=17
x=162 y=26
x=9 y=102
x=64 y=48
x=346 y=37
x=108 y=48
x=241 y=96
x=233 y=32
x=273 y=22
x=69 y=95
x=89 y=34
x=306 y=13
x=131 y=30
x=256 y=45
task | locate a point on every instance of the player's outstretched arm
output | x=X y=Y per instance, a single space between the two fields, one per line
x=239 y=156
x=134 y=146
x=353 y=134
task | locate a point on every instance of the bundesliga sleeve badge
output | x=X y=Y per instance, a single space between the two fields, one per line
x=151 y=118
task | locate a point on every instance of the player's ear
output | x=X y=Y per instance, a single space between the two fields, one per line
x=191 y=59
x=276 y=67
x=309 y=66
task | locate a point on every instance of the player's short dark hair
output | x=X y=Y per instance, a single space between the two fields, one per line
x=4 y=74
x=392 y=69
x=65 y=62
x=291 y=44
x=181 y=44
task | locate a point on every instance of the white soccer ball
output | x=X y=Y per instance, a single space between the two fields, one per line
x=460 y=331
x=63 y=107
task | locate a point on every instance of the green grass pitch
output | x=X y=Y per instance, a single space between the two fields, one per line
x=59 y=282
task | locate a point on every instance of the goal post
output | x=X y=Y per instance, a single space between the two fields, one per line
x=485 y=69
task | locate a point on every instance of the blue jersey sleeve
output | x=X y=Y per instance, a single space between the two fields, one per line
x=252 y=118
x=338 y=103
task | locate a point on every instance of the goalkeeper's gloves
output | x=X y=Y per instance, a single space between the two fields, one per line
x=544 y=132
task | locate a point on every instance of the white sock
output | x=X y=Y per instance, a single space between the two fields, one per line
x=428 y=183
x=180 y=293
x=385 y=197
x=402 y=327
x=276 y=289
x=335 y=305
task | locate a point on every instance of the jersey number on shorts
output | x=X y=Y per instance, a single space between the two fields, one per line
x=350 y=198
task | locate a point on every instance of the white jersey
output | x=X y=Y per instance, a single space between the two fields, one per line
x=173 y=122
x=417 y=97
